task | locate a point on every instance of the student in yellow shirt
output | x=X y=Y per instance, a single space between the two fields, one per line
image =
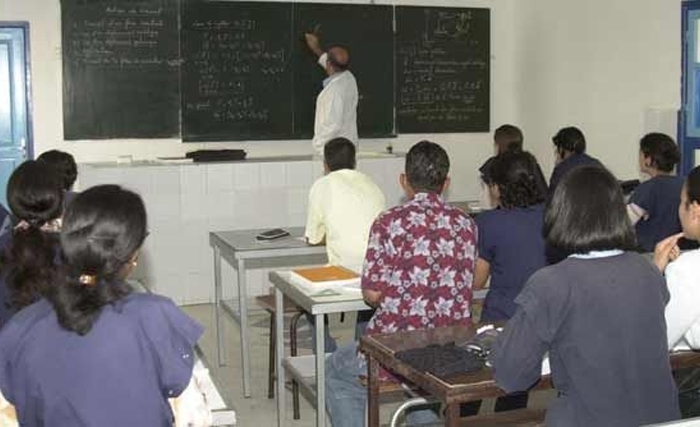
x=342 y=206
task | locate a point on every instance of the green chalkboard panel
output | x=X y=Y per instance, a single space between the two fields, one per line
x=236 y=74
x=120 y=68
x=366 y=31
x=442 y=63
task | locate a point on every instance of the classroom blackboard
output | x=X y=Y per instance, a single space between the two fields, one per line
x=120 y=68
x=367 y=32
x=247 y=73
x=231 y=70
x=442 y=57
x=236 y=75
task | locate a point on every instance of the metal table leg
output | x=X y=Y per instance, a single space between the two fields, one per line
x=279 y=347
x=243 y=311
x=320 y=372
x=220 y=348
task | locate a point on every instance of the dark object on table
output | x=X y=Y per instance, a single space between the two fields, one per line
x=273 y=234
x=628 y=186
x=442 y=361
x=216 y=155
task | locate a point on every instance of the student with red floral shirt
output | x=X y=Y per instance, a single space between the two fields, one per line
x=418 y=274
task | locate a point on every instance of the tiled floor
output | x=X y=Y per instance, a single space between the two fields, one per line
x=259 y=411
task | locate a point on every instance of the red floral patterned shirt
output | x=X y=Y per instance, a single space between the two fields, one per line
x=421 y=258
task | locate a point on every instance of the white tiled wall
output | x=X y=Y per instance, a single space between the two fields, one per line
x=186 y=202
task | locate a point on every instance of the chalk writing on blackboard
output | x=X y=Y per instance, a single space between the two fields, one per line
x=443 y=70
x=236 y=71
x=120 y=68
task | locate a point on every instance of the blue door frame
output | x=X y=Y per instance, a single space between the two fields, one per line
x=689 y=116
x=16 y=139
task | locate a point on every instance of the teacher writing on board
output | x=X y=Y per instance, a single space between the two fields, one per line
x=336 y=105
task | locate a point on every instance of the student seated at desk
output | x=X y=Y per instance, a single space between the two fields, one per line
x=418 y=274
x=342 y=206
x=508 y=138
x=653 y=207
x=93 y=352
x=682 y=271
x=511 y=246
x=66 y=168
x=31 y=247
x=570 y=148
x=599 y=314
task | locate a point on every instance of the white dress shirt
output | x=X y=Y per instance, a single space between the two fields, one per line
x=683 y=310
x=342 y=207
x=336 y=108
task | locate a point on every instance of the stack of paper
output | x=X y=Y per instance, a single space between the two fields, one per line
x=319 y=279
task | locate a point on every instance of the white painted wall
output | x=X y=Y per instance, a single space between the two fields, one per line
x=467 y=151
x=603 y=65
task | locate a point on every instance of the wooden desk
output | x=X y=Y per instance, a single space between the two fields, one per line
x=380 y=350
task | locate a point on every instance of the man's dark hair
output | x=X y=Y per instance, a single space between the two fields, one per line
x=64 y=164
x=427 y=165
x=662 y=150
x=517 y=176
x=337 y=64
x=587 y=212
x=570 y=139
x=508 y=138
x=339 y=153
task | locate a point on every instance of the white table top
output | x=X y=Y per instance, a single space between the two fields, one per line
x=336 y=301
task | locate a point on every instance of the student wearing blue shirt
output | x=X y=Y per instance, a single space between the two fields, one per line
x=27 y=251
x=93 y=352
x=570 y=147
x=598 y=315
x=511 y=245
x=653 y=207
x=507 y=138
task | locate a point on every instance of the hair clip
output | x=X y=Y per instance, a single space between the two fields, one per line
x=87 y=279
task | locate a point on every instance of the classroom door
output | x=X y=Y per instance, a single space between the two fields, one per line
x=689 y=120
x=15 y=132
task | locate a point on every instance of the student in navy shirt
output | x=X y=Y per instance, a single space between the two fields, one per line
x=653 y=207
x=511 y=246
x=570 y=146
x=508 y=138
x=29 y=250
x=94 y=353
x=598 y=315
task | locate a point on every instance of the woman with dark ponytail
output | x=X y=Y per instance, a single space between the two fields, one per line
x=29 y=254
x=92 y=352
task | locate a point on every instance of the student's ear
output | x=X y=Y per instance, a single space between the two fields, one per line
x=403 y=181
x=445 y=186
x=326 y=169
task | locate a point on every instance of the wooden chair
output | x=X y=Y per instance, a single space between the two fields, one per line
x=267 y=302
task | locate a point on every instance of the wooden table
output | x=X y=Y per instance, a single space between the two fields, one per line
x=380 y=350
